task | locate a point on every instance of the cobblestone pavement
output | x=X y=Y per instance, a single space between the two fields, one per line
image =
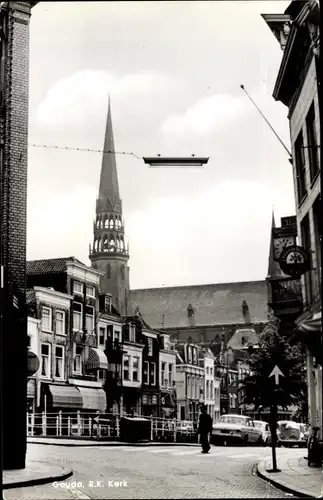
x=146 y=472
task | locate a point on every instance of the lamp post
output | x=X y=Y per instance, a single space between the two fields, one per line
x=173 y=162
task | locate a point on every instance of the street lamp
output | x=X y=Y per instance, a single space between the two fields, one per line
x=171 y=161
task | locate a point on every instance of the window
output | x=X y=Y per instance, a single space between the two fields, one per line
x=60 y=322
x=107 y=303
x=195 y=356
x=77 y=288
x=207 y=389
x=152 y=375
x=116 y=336
x=90 y=291
x=46 y=319
x=211 y=370
x=317 y=219
x=45 y=360
x=166 y=343
x=146 y=372
x=189 y=354
x=312 y=146
x=300 y=167
x=102 y=335
x=59 y=362
x=170 y=374
x=207 y=370
x=28 y=341
x=150 y=347
x=154 y=399
x=132 y=333
x=126 y=373
x=77 y=316
x=89 y=319
x=78 y=360
x=163 y=374
x=211 y=390
x=135 y=369
x=101 y=375
x=306 y=243
x=189 y=386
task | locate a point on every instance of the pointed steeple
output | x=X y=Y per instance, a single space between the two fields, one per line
x=109 y=186
x=274 y=270
x=109 y=253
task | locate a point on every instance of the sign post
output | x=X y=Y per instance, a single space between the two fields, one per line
x=276 y=373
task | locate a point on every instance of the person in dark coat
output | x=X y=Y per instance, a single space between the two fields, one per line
x=204 y=429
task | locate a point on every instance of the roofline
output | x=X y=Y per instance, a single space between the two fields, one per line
x=217 y=325
x=197 y=286
x=84 y=267
x=53 y=292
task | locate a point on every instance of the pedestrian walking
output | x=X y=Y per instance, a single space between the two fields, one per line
x=204 y=429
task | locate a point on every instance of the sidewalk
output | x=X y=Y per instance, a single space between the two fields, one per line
x=296 y=477
x=97 y=442
x=35 y=473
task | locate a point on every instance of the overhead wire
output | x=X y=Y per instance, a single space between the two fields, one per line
x=88 y=150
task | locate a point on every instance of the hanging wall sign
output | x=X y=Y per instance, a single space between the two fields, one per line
x=294 y=261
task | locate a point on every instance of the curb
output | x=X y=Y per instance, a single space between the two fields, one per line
x=38 y=481
x=107 y=444
x=281 y=486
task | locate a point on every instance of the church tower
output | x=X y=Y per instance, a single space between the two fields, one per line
x=109 y=252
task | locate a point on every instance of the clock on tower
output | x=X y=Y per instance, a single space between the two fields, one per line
x=282 y=242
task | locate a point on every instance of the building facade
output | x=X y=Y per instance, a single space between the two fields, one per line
x=297 y=87
x=79 y=388
x=167 y=375
x=109 y=252
x=207 y=362
x=189 y=382
x=14 y=98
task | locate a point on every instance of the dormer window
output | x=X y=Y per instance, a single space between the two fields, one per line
x=107 y=303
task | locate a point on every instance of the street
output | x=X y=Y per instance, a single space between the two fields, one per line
x=151 y=472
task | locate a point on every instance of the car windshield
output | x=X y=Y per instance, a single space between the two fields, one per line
x=232 y=420
x=259 y=425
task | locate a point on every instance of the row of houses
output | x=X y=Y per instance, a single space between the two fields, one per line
x=91 y=358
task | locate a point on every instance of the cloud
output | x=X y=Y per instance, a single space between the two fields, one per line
x=207 y=114
x=82 y=96
x=63 y=225
x=220 y=235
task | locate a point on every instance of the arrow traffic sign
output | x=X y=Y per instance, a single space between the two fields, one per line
x=276 y=373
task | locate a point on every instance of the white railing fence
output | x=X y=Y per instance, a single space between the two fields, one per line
x=104 y=426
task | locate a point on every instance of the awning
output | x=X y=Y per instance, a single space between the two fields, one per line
x=93 y=399
x=31 y=388
x=96 y=360
x=65 y=396
x=312 y=325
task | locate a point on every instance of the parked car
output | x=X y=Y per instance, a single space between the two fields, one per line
x=238 y=429
x=290 y=433
x=265 y=431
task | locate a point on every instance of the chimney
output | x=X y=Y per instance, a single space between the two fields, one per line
x=245 y=312
x=191 y=316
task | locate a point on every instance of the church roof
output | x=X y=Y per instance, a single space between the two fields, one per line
x=50 y=266
x=213 y=304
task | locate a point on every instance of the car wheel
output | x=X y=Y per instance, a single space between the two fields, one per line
x=246 y=440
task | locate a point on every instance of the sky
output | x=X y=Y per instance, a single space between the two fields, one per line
x=173 y=71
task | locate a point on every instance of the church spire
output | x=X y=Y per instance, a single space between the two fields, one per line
x=109 y=253
x=274 y=270
x=109 y=185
